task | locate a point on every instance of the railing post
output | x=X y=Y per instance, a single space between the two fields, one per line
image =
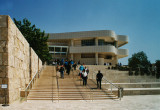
x=111 y=87
x=26 y=95
x=90 y=94
x=120 y=92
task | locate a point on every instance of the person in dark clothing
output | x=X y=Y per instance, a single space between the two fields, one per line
x=99 y=77
x=66 y=64
x=74 y=66
x=68 y=68
x=62 y=71
x=79 y=62
x=84 y=74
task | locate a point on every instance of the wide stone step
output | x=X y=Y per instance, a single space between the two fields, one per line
x=63 y=91
x=103 y=98
x=135 y=85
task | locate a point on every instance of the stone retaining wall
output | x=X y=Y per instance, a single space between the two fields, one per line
x=116 y=76
x=3 y=55
x=18 y=63
x=34 y=63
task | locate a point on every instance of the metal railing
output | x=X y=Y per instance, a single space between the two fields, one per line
x=30 y=85
x=119 y=89
x=57 y=86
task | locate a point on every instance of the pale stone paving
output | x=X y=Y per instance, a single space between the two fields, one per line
x=141 y=102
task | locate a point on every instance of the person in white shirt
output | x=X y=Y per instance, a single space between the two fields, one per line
x=84 y=74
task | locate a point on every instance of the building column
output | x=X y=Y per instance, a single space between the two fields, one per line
x=96 y=41
x=116 y=45
x=71 y=42
x=71 y=56
x=116 y=59
x=61 y=51
x=96 y=57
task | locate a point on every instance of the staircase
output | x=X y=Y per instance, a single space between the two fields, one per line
x=51 y=87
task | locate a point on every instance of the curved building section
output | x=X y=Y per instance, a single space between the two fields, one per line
x=93 y=49
x=122 y=53
x=122 y=40
x=83 y=34
x=88 y=47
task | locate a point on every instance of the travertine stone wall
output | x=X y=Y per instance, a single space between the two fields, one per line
x=15 y=59
x=40 y=64
x=3 y=56
x=18 y=61
x=116 y=76
x=34 y=63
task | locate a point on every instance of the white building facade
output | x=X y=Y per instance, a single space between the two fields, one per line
x=88 y=47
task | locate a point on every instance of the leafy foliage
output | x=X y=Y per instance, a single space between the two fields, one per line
x=158 y=65
x=36 y=38
x=138 y=60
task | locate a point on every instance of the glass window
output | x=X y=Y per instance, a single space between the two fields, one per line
x=64 y=49
x=57 y=49
x=102 y=42
x=51 y=48
x=88 y=42
x=87 y=55
x=108 y=57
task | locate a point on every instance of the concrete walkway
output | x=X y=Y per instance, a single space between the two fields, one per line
x=140 y=102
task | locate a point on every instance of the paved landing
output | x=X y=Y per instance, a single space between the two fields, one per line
x=141 y=102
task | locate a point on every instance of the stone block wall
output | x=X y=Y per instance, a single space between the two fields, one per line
x=3 y=56
x=116 y=76
x=40 y=64
x=34 y=63
x=18 y=63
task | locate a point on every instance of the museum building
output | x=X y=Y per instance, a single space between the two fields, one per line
x=89 y=47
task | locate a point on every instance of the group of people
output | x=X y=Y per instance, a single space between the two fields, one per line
x=66 y=66
x=84 y=71
x=84 y=74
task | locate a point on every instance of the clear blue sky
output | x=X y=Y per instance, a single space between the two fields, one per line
x=139 y=19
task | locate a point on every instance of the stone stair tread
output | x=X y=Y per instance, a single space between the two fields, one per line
x=71 y=95
x=142 y=88
x=137 y=89
x=85 y=97
x=136 y=83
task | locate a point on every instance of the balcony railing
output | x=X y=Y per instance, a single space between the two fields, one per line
x=123 y=52
x=93 y=49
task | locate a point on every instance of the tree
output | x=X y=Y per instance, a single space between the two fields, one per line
x=139 y=60
x=36 y=38
x=158 y=65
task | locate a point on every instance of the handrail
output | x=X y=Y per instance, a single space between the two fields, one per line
x=30 y=85
x=120 y=89
x=57 y=86
x=110 y=83
x=52 y=84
